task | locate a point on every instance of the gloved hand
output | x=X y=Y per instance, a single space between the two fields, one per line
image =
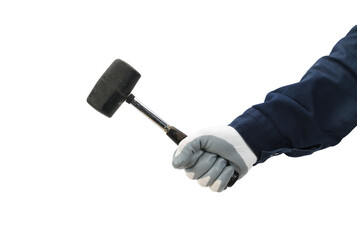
x=212 y=155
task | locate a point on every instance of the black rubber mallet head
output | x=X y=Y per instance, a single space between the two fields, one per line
x=115 y=86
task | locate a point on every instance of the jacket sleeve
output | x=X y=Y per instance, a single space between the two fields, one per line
x=310 y=115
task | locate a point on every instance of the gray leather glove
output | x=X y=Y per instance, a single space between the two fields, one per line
x=212 y=155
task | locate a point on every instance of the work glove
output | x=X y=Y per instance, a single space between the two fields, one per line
x=212 y=155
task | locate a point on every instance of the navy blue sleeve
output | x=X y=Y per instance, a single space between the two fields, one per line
x=310 y=115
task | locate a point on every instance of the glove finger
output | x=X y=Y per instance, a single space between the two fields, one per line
x=186 y=160
x=222 y=181
x=187 y=153
x=203 y=164
x=208 y=178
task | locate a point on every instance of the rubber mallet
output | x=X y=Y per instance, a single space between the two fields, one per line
x=115 y=86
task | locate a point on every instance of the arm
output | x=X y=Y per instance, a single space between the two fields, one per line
x=310 y=115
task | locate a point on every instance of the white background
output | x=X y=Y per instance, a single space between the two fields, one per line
x=68 y=172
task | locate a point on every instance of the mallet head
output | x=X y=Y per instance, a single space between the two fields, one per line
x=113 y=87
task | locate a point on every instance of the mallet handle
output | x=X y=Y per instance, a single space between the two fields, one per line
x=147 y=112
x=173 y=133
x=176 y=135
